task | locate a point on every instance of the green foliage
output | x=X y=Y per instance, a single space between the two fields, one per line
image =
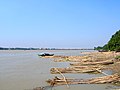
x=105 y=47
x=98 y=48
x=113 y=44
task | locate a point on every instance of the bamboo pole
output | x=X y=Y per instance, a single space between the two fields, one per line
x=64 y=78
x=102 y=72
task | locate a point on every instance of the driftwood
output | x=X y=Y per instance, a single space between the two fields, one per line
x=106 y=62
x=99 y=80
x=80 y=69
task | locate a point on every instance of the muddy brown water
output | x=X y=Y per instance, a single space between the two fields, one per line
x=24 y=70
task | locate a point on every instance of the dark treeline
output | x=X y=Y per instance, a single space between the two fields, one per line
x=112 y=45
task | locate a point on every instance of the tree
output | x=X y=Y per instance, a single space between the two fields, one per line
x=114 y=42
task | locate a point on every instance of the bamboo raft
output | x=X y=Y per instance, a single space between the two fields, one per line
x=57 y=56
x=99 y=80
x=96 y=56
x=78 y=69
x=106 y=62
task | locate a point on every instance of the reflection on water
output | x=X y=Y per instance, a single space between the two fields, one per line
x=24 y=70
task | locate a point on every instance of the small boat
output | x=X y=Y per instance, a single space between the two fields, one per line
x=45 y=54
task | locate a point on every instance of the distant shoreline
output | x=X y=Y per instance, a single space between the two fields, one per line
x=41 y=49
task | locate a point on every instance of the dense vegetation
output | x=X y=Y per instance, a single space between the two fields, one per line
x=113 y=44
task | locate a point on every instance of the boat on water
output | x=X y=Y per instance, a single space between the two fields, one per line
x=45 y=54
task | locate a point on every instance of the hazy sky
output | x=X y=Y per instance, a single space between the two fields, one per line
x=58 y=23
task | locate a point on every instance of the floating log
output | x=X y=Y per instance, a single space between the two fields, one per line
x=99 y=80
x=106 y=62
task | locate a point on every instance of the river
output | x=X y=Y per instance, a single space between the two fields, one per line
x=24 y=70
